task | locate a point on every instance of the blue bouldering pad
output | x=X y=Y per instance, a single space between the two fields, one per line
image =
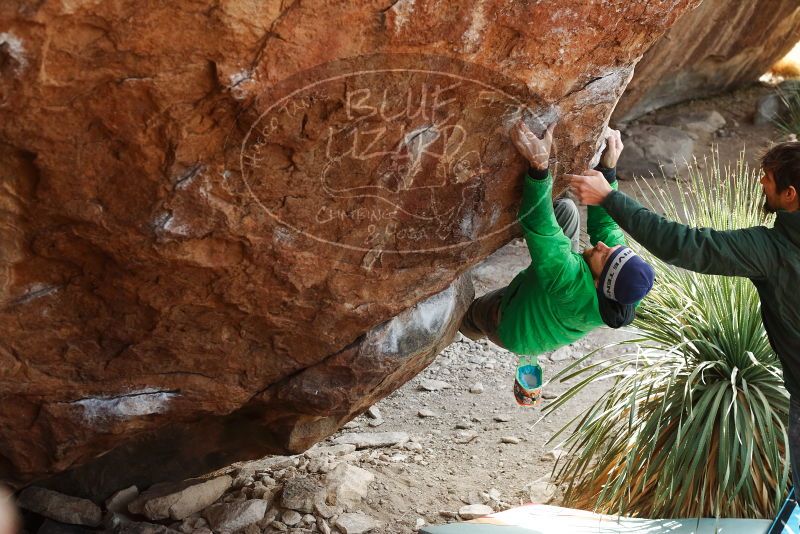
x=544 y=519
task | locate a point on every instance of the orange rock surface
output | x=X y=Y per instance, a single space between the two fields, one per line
x=228 y=227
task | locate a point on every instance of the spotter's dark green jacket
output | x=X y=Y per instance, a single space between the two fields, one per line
x=769 y=257
x=553 y=302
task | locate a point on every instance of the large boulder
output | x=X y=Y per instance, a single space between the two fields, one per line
x=721 y=45
x=229 y=227
x=655 y=150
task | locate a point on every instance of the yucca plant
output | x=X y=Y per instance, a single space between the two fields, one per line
x=694 y=423
x=789 y=120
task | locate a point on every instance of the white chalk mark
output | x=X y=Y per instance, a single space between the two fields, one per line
x=402 y=12
x=427 y=318
x=36 y=291
x=472 y=37
x=14 y=46
x=133 y=404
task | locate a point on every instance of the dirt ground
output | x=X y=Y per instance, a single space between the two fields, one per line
x=446 y=473
x=738 y=134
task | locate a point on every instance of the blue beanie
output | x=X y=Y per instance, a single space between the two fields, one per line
x=626 y=278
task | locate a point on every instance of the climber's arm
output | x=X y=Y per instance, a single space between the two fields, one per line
x=551 y=250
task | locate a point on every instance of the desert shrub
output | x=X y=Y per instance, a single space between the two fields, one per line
x=694 y=424
x=788 y=119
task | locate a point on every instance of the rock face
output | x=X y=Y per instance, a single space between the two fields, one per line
x=229 y=227
x=721 y=45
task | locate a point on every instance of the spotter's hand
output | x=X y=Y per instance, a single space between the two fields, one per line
x=590 y=188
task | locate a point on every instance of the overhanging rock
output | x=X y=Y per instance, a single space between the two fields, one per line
x=721 y=45
x=217 y=219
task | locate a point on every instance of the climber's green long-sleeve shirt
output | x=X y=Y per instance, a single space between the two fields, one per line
x=554 y=301
x=769 y=257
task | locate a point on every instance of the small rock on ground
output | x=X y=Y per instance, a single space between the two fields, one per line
x=120 y=500
x=553 y=456
x=60 y=507
x=291 y=518
x=277 y=525
x=697 y=122
x=363 y=440
x=540 y=491
x=236 y=515
x=562 y=354
x=54 y=527
x=465 y=436
x=179 y=500
x=347 y=485
x=352 y=523
x=474 y=511
x=428 y=384
x=648 y=147
x=192 y=524
x=332 y=450
x=135 y=527
x=301 y=493
x=770 y=108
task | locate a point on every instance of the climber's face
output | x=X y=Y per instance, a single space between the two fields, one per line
x=597 y=256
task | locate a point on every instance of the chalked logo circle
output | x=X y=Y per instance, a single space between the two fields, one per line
x=388 y=153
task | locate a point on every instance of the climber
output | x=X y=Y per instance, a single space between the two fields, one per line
x=769 y=257
x=563 y=294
